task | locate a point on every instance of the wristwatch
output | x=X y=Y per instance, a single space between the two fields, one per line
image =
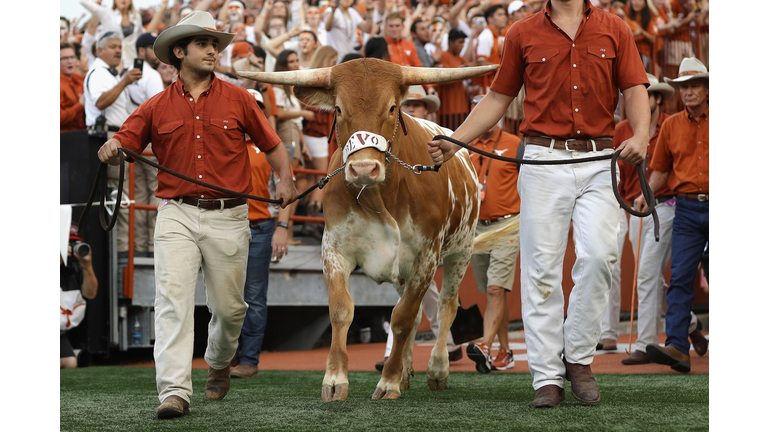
x=282 y=224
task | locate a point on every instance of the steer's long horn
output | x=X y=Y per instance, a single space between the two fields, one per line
x=430 y=75
x=320 y=77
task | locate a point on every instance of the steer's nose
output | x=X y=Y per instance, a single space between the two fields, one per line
x=364 y=172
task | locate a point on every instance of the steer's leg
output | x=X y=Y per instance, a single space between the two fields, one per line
x=341 y=308
x=402 y=326
x=454 y=267
x=405 y=382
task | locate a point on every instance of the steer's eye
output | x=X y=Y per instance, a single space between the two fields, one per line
x=392 y=110
x=337 y=109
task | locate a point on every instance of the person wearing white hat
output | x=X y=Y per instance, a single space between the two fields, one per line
x=681 y=160
x=418 y=104
x=517 y=10
x=198 y=126
x=654 y=256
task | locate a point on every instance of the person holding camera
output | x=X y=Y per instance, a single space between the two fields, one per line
x=107 y=105
x=76 y=274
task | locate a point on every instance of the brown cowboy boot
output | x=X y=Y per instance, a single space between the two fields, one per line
x=217 y=385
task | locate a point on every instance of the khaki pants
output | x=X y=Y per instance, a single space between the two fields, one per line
x=188 y=239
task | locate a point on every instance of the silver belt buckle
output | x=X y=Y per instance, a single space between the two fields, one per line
x=566 y=144
x=702 y=197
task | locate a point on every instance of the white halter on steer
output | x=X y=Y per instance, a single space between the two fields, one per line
x=361 y=140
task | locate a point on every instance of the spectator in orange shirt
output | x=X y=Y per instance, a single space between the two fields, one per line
x=681 y=161
x=454 y=97
x=402 y=51
x=269 y=242
x=490 y=44
x=495 y=270
x=642 y=23
x=71 y=96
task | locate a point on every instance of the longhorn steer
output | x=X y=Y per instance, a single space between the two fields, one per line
x=394 y=224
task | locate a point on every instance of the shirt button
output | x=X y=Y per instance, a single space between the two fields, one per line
x=198 y=137
x=199 y=156
x=190 y=99
x=197 y=117
x=225 y=127
x=543 y=59
x=577 y=110
x=602 y=55
x=574 y=65
x=575 y=87
x=573 y=45
x=202 y=196
x=200 y=176
x=578 y=131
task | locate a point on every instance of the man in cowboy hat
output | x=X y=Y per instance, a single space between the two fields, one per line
x=681 y=161
x=654 y=256
x=197 y=126
x=418 y=104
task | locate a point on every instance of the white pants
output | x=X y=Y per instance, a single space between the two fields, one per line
x=186 y=240
x=652 y=263
x=610 y=326
x=429 y=304
x=551 y=197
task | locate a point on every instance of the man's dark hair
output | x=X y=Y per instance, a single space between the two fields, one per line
x=183 y=43
x=376 y=47
x=456 y=34
x=63 y=45
x=351 y=56
x=259 y=52
x=415 y=23
x=492 y=10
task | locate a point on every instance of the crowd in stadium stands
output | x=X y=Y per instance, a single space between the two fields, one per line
x=299 y=34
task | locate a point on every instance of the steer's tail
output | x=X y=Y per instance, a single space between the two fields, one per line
x=486 y=241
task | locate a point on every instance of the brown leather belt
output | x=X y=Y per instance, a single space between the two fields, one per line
x=213 y=204
x=490 y=221
x=575 y=144
x=255 y=223
x=697 y=197
x=664 y=198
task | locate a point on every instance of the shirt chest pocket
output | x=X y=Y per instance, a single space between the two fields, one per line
x=541 y=64
x=601 y=60
x=171 y=133
x=224 y=132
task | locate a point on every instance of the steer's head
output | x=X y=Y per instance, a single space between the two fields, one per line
x=365 y=96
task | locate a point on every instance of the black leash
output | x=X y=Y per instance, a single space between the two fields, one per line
x=101 y=179
x=644 y=186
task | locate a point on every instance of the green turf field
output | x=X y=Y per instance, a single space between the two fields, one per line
x=124 y=399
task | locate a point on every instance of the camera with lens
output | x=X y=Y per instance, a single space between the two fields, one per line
x=99 y=128
x=81 y=248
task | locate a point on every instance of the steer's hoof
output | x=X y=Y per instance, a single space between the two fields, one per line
x=381 y=393
x=338 y=392
x=437 y=384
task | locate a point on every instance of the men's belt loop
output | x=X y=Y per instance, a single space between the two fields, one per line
x=594 y=146
x=551 y=144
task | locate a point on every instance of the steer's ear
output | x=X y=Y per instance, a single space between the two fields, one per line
x=315 y=96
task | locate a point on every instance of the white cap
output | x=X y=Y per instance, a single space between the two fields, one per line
x=257 y=94
x=514 y=6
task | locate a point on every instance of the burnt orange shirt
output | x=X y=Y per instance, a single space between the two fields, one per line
x=629 y=186
x=644 y=46
x=683 y=150
x=570 y=84
x=260 y=173
x=72 y=114
x=403 y=52
x=204 y=140
x=453 y=96
x=500 y=178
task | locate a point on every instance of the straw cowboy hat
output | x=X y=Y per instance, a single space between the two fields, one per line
x=197 y=23
x=690 y=68
x=417 y=93
x=665 y=89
